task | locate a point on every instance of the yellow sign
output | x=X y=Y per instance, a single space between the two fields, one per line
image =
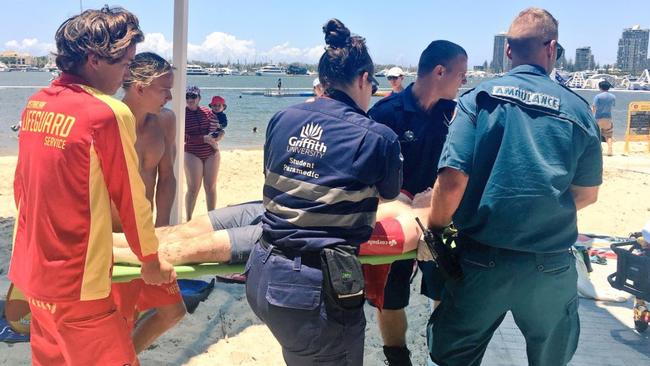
x=638 y=123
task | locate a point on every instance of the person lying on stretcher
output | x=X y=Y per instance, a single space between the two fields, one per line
x=227 y=235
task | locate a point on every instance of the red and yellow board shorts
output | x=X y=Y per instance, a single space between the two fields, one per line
x=80 y=333
x=135 y=296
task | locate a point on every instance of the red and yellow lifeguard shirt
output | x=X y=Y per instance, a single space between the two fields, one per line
x=76 y=155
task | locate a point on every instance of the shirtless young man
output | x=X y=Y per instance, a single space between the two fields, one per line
x=147 y=88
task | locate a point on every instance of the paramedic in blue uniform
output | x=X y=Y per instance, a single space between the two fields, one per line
x=420 y=116
x=326 y=167
x=522 y=156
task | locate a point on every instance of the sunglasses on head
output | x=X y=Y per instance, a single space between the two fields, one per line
x=191 y=96
x=558 y=47
x=374 y=83
x=371 y=80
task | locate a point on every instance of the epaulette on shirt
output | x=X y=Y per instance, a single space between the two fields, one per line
x=466 y=92
x=388 y=99
x=574 y=93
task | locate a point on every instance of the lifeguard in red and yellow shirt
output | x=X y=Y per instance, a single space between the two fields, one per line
x=76 y=155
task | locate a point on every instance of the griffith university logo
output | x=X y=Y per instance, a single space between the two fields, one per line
x=309 y=141
x=311 y=131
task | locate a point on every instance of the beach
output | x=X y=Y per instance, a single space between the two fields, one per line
x=224 y=331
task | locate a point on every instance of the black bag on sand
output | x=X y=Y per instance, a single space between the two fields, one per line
x=343 y=281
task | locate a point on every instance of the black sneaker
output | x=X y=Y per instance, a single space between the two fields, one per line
x=397 y=356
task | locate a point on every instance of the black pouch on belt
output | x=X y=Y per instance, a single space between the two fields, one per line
x=342 y=277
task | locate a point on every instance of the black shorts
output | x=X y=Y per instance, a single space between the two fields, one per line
x=398 y=286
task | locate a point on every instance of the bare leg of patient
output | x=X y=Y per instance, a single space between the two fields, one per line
x=196 y=242
x=179 y=246
x=195 y=227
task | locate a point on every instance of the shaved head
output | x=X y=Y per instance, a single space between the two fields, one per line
x=530 y=29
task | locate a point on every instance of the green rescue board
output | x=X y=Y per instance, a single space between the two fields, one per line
x=125 y=273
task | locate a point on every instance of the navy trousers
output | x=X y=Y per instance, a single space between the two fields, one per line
x=287 y=296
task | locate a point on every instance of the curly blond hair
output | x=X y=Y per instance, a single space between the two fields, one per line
x=107 y=33
x=145 y=68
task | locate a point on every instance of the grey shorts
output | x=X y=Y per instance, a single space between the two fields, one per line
x=243 y=223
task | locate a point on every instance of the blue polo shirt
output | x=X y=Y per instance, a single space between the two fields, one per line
x=421 y=134
x=604 y=103
x=523 y=140
x=326 y=166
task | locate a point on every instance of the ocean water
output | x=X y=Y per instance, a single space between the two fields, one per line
x=244 y=111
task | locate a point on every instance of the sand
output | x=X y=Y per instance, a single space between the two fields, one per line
x=224 y=331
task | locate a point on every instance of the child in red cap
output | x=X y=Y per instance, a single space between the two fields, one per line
x=218 y=106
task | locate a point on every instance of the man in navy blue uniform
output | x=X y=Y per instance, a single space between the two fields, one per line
x=522 y=156
x=326 y=166
x=420 y=116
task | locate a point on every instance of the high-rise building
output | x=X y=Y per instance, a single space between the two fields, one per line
x=633 y=49
x=584 y=59
x=500 y=62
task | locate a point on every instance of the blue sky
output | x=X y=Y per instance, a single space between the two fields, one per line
x=396 y=31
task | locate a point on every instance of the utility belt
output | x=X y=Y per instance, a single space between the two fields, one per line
x=309 y=259
x=343 y=283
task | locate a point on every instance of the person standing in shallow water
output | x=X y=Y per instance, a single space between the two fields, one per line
x=323 y=200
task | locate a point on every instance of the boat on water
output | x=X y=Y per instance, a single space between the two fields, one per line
x=222 y=71
x=615 y=81
x=381 y=74
x=477 y=74
x=229 y=71
x=196 y=70
x=30 y=69
x=642 y=83
x=577 y=80
x=285 y=94
x=271 y=69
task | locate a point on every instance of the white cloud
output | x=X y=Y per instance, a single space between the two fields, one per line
x=156 y=42
x=223 y=47
x=315 y=53
x=285 y=53
x=30 y=45
x=216 y=47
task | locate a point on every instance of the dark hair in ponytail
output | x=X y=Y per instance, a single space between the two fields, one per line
x=345 y=57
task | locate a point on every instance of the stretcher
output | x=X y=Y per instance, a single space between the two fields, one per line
x=125 y=272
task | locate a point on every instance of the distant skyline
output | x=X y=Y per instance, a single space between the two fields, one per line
x=396 y=32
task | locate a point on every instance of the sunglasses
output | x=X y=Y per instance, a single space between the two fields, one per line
x=374 y=83
x=371 y=80
x=392 y=77
x=558 y=47
x=191 y=96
